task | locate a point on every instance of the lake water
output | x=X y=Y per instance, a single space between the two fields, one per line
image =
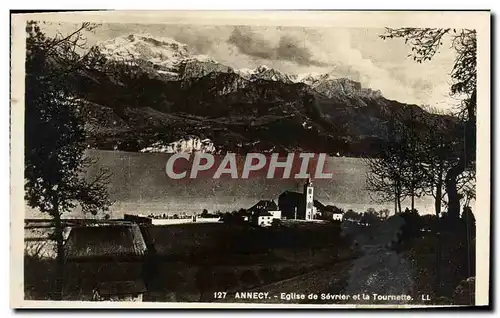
x=140 y=185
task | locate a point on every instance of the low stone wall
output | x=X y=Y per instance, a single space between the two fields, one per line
x=183 y=221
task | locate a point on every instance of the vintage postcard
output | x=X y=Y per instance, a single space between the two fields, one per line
x=205 y=159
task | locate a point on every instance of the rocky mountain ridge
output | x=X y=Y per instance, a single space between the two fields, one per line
x=154 y=91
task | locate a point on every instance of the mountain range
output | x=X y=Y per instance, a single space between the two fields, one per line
x=152 y=93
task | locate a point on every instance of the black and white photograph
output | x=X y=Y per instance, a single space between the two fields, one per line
x=215 y=159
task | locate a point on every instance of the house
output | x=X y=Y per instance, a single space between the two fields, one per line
x=296 y=205
x=105 y=262
x=337 y=216
x=266 y=205
x=264 y=212
x=331 y=212
x=262 y=218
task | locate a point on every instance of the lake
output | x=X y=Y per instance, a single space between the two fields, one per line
x=140 y=185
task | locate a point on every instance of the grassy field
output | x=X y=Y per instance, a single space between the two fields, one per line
x=192 y=259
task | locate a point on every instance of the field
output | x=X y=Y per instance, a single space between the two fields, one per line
x=191 y=261
x=192 y=258
x=206 y=257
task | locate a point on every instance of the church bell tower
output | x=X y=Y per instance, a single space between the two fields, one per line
x=309 y=199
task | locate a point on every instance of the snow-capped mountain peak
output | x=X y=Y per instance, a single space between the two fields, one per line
x=264 y=72
x=144 y=46
x=172 y=60
x=169 y=57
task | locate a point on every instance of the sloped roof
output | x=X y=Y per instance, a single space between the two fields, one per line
x=115 y=241
x=121 y=287
x=267 y=205
x=262 y=213
x=333 y=209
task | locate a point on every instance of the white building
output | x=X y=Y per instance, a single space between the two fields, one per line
x=276 y=214
x=309 y=194
x=262 y=218
x=337 y=216
x=264 y=212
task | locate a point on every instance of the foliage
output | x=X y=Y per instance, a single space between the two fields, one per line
x=351 y=215
x=55 y=161
x=54 y=135
x=425 y=43
x=397 y=171
x=384 y=213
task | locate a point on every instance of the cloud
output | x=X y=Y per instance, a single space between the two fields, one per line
x=287 y=48
x=358 y=54
x=251 y=43
x=290 y=49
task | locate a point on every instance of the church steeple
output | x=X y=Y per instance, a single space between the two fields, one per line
x=309 y=199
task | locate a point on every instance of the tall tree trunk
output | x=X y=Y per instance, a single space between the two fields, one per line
x=439 y=192
x=437 y=203
x=412 y=199
x=437 y=207
x=398 y=196
x=451 y=190
x=468 y=156
x=395 y=202
x=58 y=236
x=399 y=203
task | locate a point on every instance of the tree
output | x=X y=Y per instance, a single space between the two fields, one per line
x=384 y=213
x=351 y=215
x=369 y=218
x=412 y=152
x=425 y=43
x=393 y=174
x=55 y=161
x=470 y=223
x=204 y=213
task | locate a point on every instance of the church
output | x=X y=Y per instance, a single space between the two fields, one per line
x=292 y=206
x=296 y=205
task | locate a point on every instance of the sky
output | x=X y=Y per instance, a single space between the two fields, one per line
x=356 y=53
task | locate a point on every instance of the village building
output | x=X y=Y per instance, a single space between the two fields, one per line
x=296 y=206
x=263 y=213
x=105 y=262
x=331 y=212
x=300 y=206
x=337 y=216
x=262 y=218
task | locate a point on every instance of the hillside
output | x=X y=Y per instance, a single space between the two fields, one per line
x=152 y=93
